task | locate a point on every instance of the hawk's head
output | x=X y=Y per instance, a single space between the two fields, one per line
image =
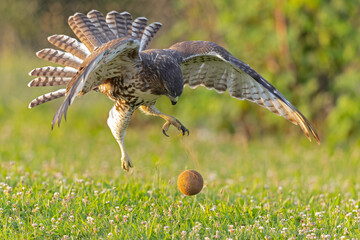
x=172 y=77
x=166 y=66
x=173 y=82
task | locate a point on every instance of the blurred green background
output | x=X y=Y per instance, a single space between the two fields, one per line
x=309 y=50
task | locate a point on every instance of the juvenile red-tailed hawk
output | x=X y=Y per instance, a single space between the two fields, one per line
x=112 y=58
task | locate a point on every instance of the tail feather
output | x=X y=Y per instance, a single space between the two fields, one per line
x=119 y=23
x=70 y=45
x=83 y=31
x=53 y=72
x=47 y=97
x=97 y=18
x=138 y=27
x=49 y=81
x=148 y=34
x=92 y=33
x=112 y=20
x=59 y=57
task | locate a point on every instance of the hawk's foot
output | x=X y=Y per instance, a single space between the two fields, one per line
x=126 y=163
x=176 y=123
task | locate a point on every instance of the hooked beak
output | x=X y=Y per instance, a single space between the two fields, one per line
x=174 y=101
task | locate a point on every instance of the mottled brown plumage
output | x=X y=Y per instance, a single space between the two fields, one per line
x=112 y=58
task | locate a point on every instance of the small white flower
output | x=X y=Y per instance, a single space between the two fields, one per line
x=90 y=220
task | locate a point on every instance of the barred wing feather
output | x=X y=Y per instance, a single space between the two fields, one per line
x=209 y=65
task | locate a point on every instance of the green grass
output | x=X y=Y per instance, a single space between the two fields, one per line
x=69 y=183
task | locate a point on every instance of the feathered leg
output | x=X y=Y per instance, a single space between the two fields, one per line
x=119 y=118
x=170 y=120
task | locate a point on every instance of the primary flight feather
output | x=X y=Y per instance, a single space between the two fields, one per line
x=111 y=57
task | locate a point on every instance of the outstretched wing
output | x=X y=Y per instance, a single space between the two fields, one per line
x=209 y=65
x=110 y=60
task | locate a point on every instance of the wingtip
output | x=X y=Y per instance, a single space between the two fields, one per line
x=313 y=133
x=317 y=138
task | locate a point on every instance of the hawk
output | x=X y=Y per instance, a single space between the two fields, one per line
x=112 y=58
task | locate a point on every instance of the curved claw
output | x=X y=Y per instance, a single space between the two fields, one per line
x=173 y=121
x=164 y=132
x=184 y=130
